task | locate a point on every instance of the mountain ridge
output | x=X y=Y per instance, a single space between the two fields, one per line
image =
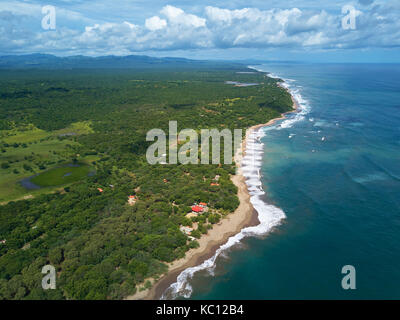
x=38 y=60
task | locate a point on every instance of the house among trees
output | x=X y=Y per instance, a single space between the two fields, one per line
x=132 y=200
x=100 y=190
x=197 y=209
x=3 y=241
x=186 y=230
x=204 y=206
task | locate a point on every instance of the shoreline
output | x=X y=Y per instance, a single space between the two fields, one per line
x=244 y=216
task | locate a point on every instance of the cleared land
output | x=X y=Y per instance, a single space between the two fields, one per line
x=60 y=176
x=27 y=151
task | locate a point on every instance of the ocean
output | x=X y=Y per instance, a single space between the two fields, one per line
x=326 y=185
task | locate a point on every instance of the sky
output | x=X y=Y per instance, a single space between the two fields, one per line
x=296 y=30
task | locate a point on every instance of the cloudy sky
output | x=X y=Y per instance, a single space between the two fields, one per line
x=235 y=29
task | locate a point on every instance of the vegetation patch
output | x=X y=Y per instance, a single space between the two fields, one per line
x=24 y=134
x=76 y=128
x=62 y=175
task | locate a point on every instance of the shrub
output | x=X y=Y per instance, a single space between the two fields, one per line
x=5 y=165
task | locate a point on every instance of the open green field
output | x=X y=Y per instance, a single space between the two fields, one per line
x=29 y=134
x=27 y=151
x=76 y=128
x=61 y=176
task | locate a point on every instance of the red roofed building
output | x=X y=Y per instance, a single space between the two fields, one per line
x=197 y=209
x=132 y=200
x=203 y=204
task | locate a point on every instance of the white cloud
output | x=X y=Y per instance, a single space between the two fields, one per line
x=155 y=23
x=172 y=12
x=177 y=16
x=176 y=29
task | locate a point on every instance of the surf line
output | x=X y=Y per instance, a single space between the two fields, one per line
x=269 y=215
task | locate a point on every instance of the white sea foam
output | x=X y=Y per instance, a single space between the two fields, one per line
x=294 y=90
x=269 y=215
x=372 y=177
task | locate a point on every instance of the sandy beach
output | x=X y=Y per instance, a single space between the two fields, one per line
x=244 y=216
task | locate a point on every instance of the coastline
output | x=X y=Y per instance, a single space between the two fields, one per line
x=244 y=216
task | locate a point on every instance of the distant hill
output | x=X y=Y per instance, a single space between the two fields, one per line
x=46 y=61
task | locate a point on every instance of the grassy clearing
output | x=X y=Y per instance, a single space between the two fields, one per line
x=60 y=176
x=89 y=159
x=77 y=128
x=28 y=150
x=24 y=135
x=25 y=162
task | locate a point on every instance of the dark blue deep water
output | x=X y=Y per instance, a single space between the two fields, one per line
x=336 y=175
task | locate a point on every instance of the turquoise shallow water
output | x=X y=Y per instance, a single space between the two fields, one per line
x=336 y=175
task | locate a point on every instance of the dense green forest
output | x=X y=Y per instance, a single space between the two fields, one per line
x=97 y=120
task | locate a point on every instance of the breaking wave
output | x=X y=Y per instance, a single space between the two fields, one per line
x=294 y=90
